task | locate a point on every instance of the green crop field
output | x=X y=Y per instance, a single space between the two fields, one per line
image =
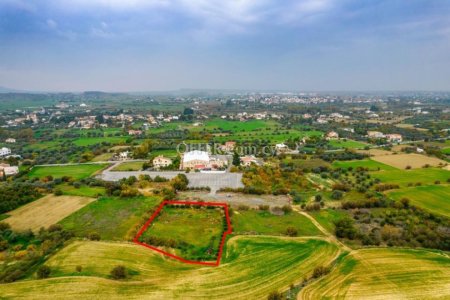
x=273 y=136
x=365 y=163
x=129 y=166
x=403 y=177
x=84 y=190
x=194 y=232
x=236 y=126
x=342 y=144
x=326 y=217
x=87 y=141
x=74 y=171
x=110 y=217
x=385 y=274
x=434 y=198
x=263 y=222
x=251 y=268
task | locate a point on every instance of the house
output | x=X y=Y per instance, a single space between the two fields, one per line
x=375 y=134
x=420 y=150
x=124 y=155
x=161 y=162
x=229 y=146
x=5 y=151
x=10 y=140
x=394 y=137
x=134 y=132
x=332 y=135
x=8 y=170
x=248 y=160
x=195 y=160
x=281 y=148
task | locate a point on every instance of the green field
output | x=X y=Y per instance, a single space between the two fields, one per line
x=84 y=190
x=194 y=231
x=74 y=171
x=129 y=166
x=327 y=217
x=112 y=218
x=342 y=144
x=280 y=136
x=88 y=141
x=236 y=126
x=434 y=198
x=365 y=163
x=265 y=223
x=385 y=274
x=403 y=177
x=251 y=268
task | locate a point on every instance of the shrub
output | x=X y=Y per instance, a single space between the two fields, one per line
x=320 y=271
x=43 y=272
x=94 y=236
x=58 y=192
x=275 y=295
x=291 y=231
x=286 y=209
x=119 y=272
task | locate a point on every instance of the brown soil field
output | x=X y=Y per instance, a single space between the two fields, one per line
x=401 y=161
x=375 y=152
x=45 y=211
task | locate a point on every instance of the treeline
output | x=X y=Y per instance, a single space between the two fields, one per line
x=13 y=195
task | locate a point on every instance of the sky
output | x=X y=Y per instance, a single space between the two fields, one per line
x=160 y=45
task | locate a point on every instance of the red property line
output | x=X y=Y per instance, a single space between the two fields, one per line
x=194 y=262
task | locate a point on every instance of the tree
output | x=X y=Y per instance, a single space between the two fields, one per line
x=275 y=295
x=236 y=159
x=119 y=272
x=291 y=231
x=43 y=272
x=188 y=111
x=94 y=236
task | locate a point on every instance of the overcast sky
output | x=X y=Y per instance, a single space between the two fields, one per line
x=148 y=45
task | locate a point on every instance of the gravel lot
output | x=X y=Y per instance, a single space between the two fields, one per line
x=214 y=181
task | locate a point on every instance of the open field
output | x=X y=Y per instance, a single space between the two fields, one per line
x=74 y=171
x=403 y=177
x=87 y=141
x=327 y=217
x=129 y=166
x=235 y=126
x=45 y=211
x=401 y=161
x=351 y=144
x=366 y=163
x=265 y=223
x=196 y=232
x=110 y=217
x=251 y=268
x=103 y=157
x=434 y=198
x=375 y=152
x=385 y=274
x=84 y=190
x=269 y=135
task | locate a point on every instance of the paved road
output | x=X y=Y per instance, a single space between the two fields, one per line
x=214 y=181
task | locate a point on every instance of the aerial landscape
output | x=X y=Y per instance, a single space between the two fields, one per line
x=224 y=150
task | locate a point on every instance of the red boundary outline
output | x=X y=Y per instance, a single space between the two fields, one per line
x=194 y=262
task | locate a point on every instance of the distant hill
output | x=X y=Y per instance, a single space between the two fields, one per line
x=8 y=90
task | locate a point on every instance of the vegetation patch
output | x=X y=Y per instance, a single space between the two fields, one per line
x=129 y=166
x=368 y=164
x=75 y=171
x=413 y=161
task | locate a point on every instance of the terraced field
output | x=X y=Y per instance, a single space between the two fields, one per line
x=251 y=268
x=385 y=274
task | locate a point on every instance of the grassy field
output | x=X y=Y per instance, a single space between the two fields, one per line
x=74 y=171
x=365 y=163
x=434 y=198
x=45 y=211
x=110 y=217
x=84 y=190
x=415 y=161
x=88 y=141
x=129 y=166
x=263 y=222
x=196 y=231
x=272 y=136
x=236 y=126
x=342 y=144
x=326 y=217
x=403 y=177
x=251 y=268
x=385 y=274
x=103 y=157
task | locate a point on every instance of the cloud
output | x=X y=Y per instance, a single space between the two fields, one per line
x=52 y=24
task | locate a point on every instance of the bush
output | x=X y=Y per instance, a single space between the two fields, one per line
x=119 y=272
x=286 y=209
x=94 y=236
x=320 y=271
x=43 y=272
x=336 y=195
x=275 y=295
x=57 y=192
x=291 y=231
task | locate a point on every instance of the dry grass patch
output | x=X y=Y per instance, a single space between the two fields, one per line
x=375 y=152
x=46 y=211
x=401 y=161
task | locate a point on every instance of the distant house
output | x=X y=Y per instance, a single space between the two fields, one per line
x=10 y=140
x=332 y=135
x=5 y=151
x=161 y=162
x=420 y=150
x=394 y=138
x=195 y=160
x=281 y=148
x=124 y=155
x=134 y=132
x=8 y=170
x=375 y=135
x=248 y=160
x=229 y=146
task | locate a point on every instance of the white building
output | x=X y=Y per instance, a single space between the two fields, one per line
x=10 y=140
x=5 y=151
x=394 y=138
x=8 y=170
x=195 y=160
x=332 y=135
x=161 y=162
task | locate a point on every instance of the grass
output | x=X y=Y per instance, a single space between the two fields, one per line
x=88 y=141
x=265 y=223
x=45 y=211
x=84 y=190
x=413 y=160
x=327 y=217
x=270 y=135
x=343 y=144
x=236 y=126
x=129 y=166
x=403 y=177
x=196 y=231
x=75 y=171
x=434 y=198
x=385 y=274
x=366 y=163
x=112 y=218
x=251 y=268
x=103 y=157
